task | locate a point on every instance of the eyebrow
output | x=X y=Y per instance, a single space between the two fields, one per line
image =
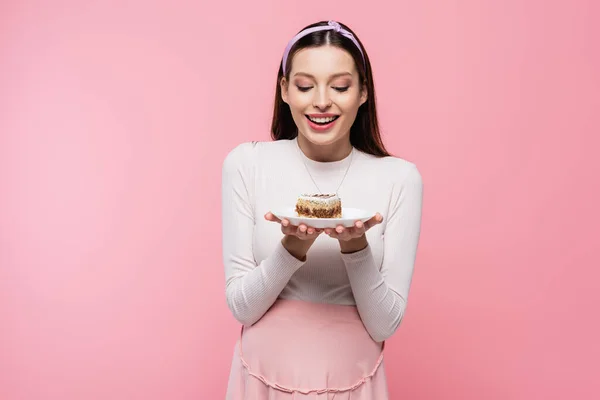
x=333 y=76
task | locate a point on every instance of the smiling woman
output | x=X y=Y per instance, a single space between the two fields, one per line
x=317 y=303
x=330 y=78
x=325 y=102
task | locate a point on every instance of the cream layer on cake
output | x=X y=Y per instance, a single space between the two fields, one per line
x=319 y=206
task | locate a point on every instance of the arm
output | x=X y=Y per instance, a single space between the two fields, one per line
x=381 y=296
x=251 y=289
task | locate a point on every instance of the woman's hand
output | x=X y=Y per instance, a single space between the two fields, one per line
x=302 y=231
x=353 y=238
x=358 y=230
x=297 y=239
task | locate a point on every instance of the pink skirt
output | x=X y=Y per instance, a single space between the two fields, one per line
x=301 y=350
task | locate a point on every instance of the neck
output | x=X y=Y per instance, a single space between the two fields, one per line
x=335 y=151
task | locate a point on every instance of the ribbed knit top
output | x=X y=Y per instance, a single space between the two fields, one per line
x=258 y=177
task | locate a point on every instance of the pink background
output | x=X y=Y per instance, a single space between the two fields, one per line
x=114 y=121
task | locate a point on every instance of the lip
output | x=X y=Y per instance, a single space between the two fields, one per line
x=321 y=128
x=327 y=115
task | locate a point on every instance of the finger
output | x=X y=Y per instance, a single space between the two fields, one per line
x=302 y=229
x=314 y=231
x=355 y=231
x=377 y=219
x=269 y=216
x=287 y=228
x=359 y=229
x=303 y=232
x=342 y=233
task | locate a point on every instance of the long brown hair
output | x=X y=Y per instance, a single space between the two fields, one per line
x=364 y=133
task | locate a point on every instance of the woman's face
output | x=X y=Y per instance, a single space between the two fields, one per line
x=324 y=94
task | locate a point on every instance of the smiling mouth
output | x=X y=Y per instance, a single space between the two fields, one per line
x=322 y=120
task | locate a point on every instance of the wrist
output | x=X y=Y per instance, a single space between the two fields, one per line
x=296 y=247
x=354 y=245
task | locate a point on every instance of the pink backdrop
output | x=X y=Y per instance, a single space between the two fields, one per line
x=114 y=122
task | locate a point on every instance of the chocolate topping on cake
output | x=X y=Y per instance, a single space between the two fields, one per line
x=320 y=195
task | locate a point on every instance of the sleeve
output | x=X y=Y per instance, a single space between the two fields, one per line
x=381 y=296
x=250 y=289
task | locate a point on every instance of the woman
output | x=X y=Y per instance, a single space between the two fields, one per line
x=316 y=305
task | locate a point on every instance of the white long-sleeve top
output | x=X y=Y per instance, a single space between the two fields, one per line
x=258 y=177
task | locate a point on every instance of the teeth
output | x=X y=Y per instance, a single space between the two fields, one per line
x=322 y=120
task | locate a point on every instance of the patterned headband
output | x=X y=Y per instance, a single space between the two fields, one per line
x=331 y=25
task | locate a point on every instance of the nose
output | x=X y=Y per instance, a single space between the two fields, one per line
x=321 y=99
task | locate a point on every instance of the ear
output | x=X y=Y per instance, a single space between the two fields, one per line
x=363 y=93
x=284 y=89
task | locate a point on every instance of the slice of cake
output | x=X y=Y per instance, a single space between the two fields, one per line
x=319 y=206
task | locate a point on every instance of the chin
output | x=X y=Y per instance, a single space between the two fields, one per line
x=322 y=139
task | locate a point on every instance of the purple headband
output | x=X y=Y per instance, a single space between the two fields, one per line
x=331 y=25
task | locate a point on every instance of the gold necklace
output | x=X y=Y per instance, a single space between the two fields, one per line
x=313 y=180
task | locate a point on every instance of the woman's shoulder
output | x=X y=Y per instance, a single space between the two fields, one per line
x=394 y=168
x=247 y=154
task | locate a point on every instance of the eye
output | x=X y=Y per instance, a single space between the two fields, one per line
x=341 y=88
x=303 y=88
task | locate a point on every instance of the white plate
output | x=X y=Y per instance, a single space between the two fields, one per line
x=349 y=217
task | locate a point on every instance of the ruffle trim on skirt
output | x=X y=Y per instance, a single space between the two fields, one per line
x=292 y=390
